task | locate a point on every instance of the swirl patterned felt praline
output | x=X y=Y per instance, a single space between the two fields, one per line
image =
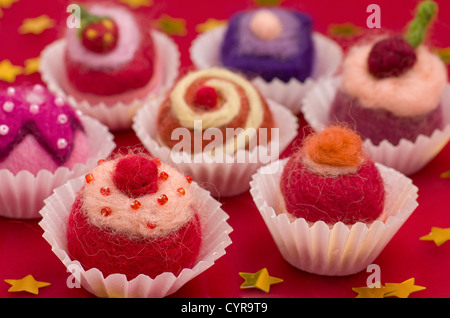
x=33 y=110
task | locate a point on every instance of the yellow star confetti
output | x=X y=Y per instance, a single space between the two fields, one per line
x=27 y=284
x=371 y=292
x=403 y=290
x=445 y=175
x=444 y=54
x=138 y=3
x=32 y=65
x=36 y=25
x=268 y=2
x=7 y=3
x=171 y=26
x=8 y=71
x=209 y=24
x=346 y=30
x=260 y=280
x=438 y=235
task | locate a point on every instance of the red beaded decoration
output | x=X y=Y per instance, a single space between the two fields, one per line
x=135 y=205
x=164 y=176
x=106 y=211
x=157 y=161
x=100 y=161
x=105 y=191
x=151 y=225
x=189 y=179
x=163 y=199
x=89 y=177
x=181 y=191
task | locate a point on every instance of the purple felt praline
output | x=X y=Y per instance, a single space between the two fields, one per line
x=291 y=55
x=378 y=124
x=34 y=110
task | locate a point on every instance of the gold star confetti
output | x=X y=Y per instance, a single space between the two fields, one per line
x=444 y=54
x=445 y=175
x=8 y=71
x=27 y=284
x=209 y=24
x=32 y=65
x=371 y=292
x=36 y=25
x=138 y=3
x=345 y=30
x=403 y=290
x=7 y=3
x=438 y=235
x=171 y=26
x=260 y=280
x=268 y=2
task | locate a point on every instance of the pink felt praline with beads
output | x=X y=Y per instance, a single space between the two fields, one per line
x=135 y=215
x=39 y=131
x=330 y=179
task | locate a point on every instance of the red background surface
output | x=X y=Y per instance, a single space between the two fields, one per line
x=23 y=251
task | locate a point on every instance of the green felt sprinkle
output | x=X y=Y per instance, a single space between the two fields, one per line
x=417 y=28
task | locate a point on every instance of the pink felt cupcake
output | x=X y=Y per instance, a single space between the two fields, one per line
x=216 y=127
x=135 y=227
x=274 y=47
x=110 y=65
x=393 y=91
x=329 y=208
x=43 y=143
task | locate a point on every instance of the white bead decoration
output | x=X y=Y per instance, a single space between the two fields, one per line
x=62 y=119
x=8 y=106
x=38 y=88
x=62 y=143
x=10 y=91
x=34 y=108
x=59 y=101
x=4 y=130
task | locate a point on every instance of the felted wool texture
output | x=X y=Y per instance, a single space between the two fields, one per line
x=335 y=146
x=114 y=78
x=416 y=93
x=33 y=110
x=114 y=252
x=151 y=219
x=378 y=124
x=391 y=56
x=31 y=156
x=136 y=176
x=168 y=121
x=291 y=55
x=351 y=198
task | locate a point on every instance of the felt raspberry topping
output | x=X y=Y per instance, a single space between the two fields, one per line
x=391 y=57
x=136 y=175
x=206 y=97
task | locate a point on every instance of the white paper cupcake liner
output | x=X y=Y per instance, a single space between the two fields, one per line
x=205 y=53
x=118 y=116
x=215 y=238
x=22 y=195
x=407 y=157
x=231 y=175
x=337 y=250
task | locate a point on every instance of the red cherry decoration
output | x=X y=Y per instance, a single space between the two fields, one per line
x=206 y=97
x=391 y=57
x=135 y=176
